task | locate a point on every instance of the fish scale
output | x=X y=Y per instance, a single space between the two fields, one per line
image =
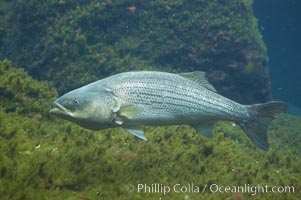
x=165 y=96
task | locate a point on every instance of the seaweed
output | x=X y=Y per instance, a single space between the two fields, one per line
x=82 y=41
x=65 y=44
x=44 y=157
x=20 y=93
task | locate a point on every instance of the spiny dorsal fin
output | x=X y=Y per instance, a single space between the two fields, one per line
x=198 y=77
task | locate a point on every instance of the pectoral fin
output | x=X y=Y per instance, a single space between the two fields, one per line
x=137 y=131
x=129 y=112
x=205 y=128
x=125 y=113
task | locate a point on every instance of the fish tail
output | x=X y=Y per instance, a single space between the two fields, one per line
x=262 y=115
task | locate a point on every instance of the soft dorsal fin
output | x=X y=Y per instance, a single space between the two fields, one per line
x=199 y=77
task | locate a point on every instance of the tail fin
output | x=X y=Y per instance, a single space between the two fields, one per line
x=263 y=114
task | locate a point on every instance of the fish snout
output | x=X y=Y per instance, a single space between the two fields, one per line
x=58 y=109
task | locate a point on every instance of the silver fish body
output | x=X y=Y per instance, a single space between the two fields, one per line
x=133 y=99
x=165 y=98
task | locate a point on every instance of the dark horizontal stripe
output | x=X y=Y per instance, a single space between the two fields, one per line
x=156 y=90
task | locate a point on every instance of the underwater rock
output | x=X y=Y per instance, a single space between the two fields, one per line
x=76 y=42
x=20 y=93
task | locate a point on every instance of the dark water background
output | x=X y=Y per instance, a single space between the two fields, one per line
x=279 y=23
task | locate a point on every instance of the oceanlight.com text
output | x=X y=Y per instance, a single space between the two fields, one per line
x=253 y=190
x=212 y=188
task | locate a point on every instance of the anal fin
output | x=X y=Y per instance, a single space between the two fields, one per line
x=205 y=128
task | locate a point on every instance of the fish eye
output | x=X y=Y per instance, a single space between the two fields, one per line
x=76 y=101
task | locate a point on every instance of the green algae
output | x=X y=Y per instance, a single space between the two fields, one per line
x=81 y=41
x=46 y=158
x=20 y=93
x=75 y=42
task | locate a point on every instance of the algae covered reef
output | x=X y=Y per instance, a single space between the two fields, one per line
x=45 y=158
x=70 y=40
x=56 y=46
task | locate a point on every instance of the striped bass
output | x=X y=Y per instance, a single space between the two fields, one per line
x=133 y=99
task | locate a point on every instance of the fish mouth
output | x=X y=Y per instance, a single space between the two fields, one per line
x=59 y=109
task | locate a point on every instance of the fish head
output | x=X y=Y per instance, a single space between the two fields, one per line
x=87 y=108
